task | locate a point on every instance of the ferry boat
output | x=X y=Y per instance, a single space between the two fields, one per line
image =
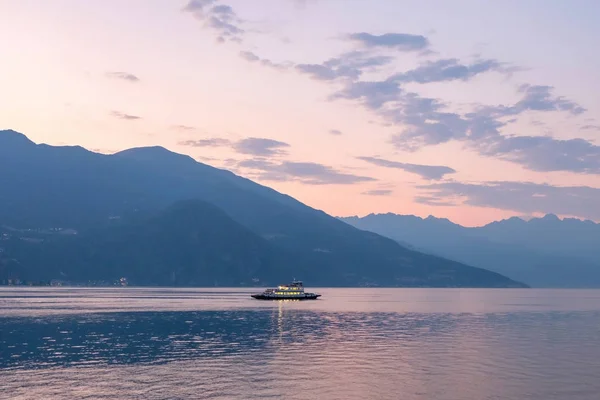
x=293 y=291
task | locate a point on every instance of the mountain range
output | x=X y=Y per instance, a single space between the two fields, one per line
x=160 y=218
x=542 y=252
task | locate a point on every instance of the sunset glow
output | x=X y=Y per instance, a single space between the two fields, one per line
x=466 y=110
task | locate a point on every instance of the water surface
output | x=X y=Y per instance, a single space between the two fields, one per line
x=143 y=343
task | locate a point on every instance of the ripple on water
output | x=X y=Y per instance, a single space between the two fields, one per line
x=299 y=351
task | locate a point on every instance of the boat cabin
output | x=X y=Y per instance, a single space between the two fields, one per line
x=294 y=288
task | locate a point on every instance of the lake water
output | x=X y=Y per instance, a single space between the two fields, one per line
x=145 y=343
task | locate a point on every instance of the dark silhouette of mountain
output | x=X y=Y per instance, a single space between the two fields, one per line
x=107 y=197
x=543 y=252
x=190 y=243
x=568 y=237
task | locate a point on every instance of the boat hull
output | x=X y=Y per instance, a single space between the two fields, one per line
x=307 y=296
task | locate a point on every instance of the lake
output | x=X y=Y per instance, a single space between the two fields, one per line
x=151 y=343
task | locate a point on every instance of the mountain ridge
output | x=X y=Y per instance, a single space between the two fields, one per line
x=543 y=252
x=548 y=216
x=75 y=188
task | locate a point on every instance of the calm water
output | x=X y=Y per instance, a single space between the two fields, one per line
x=352 y=344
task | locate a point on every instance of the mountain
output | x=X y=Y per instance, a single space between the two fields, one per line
x=51 y=190
x=542 y=252
x=180 y=245
x=568 y=237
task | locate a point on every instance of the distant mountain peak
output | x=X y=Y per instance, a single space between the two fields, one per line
x=551 y=217
x=153 y=153
x=10 y=132
x=11 y=137
x=434 y=218
x=390 y=214
x=512 y=221
x=155 y=150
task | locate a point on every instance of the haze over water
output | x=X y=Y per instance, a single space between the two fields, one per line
x=352 y=344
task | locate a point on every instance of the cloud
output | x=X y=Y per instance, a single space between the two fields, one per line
x=429 y=121
x=450 y=69
x=348 y=65
x=590 y=127
x=221 y=18
x=433 y=201
x=212 y=142
x=184 y=127
x=426 y=121
x=257 y=163
x=524 y=197
x=398 y=41
x=128 y=117
x=378 y=192
x=317 y=71
x=533 y=98
x=305 y=172
x=260 y=147
x=251 y=57
x=335 y=132
x=123 y=76
x=302 y=3
x=433 y=172
x=320 y=174
x=280 y=66
x=198 y=5
x=372 y=95
x=540 y=98
x=545 y=154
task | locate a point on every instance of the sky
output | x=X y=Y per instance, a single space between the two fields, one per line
x=472 y=110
